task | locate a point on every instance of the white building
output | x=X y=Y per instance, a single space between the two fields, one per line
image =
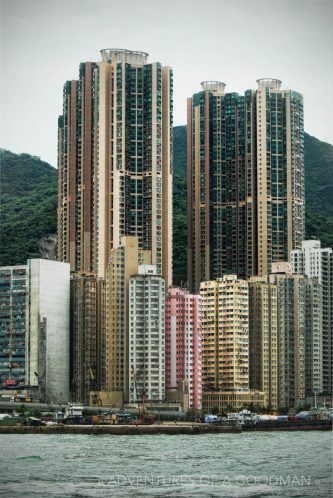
x=47 y=336
x=146 y=335
x=313 y=261
x=313 y=337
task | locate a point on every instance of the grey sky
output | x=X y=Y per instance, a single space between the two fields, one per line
x=43 y=42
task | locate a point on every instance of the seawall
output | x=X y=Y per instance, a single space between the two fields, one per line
x=119 y=429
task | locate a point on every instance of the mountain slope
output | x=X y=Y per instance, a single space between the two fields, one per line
x=28 y=209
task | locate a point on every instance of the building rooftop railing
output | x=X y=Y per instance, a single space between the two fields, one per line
x=269 y=83
x=124 y=55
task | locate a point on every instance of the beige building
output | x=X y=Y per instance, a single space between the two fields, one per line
x=263 y=353
x=115 y=161
x=225 y=334
x=124 y=262
x=291 y=334
x=235 y=400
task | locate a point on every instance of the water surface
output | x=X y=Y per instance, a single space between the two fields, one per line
x=279 y=464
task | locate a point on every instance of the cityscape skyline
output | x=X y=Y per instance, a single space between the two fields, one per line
x=173 y=273
x=115 y=158
x=192 y=58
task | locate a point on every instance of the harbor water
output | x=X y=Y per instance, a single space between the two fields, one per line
x=277 y=464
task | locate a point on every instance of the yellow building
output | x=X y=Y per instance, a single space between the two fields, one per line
x=225 y=334
x=223 y=400
x=124 y=262
x=263 y=367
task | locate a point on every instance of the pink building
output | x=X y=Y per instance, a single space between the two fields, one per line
x=183 y=343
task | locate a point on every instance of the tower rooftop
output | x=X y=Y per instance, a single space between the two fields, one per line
x=124 y=55
x=213 y=86
x=272 y=83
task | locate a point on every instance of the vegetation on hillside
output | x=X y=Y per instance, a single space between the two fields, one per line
x=319 y=190
x=28 y=209
x=179 y=150
x=179 y=231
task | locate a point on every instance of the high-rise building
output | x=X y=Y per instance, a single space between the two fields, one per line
x=47 y=339
x=263 y=348
x=34 y=327
x=183 y=343
x=14 y=285
x=87 y=342
x=291 y=331
x=146 y=348
x=225 y=334
x=245 y=176
x=313 y=337
x=115 y=161
x=124 y=262
x=314 y=261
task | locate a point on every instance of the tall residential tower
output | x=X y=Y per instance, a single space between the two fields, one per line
x=115 y=161
x=245 y=174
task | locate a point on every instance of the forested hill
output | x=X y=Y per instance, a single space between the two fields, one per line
x=28 y=209
x=29 y=201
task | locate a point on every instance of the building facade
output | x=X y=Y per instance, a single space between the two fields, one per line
x=115 y=161
x=245 y=177
x=314 y=261
x=225 y=334
x=146 y=368
x=48 y=334
x=313 y=337
x=263 y=335
x=183 y=344
x=291 y=334
x=14 y=287
x=124 y=262
x=87 y=341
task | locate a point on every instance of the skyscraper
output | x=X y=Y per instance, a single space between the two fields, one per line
x=245 y=174
x=115 y=161
x=313 y=261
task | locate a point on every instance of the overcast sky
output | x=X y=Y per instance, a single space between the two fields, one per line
x=43 y=42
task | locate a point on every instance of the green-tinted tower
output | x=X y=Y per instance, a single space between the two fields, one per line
x=245 y=176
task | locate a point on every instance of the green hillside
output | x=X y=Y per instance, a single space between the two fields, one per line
x=28 y=209
x=29 y=201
